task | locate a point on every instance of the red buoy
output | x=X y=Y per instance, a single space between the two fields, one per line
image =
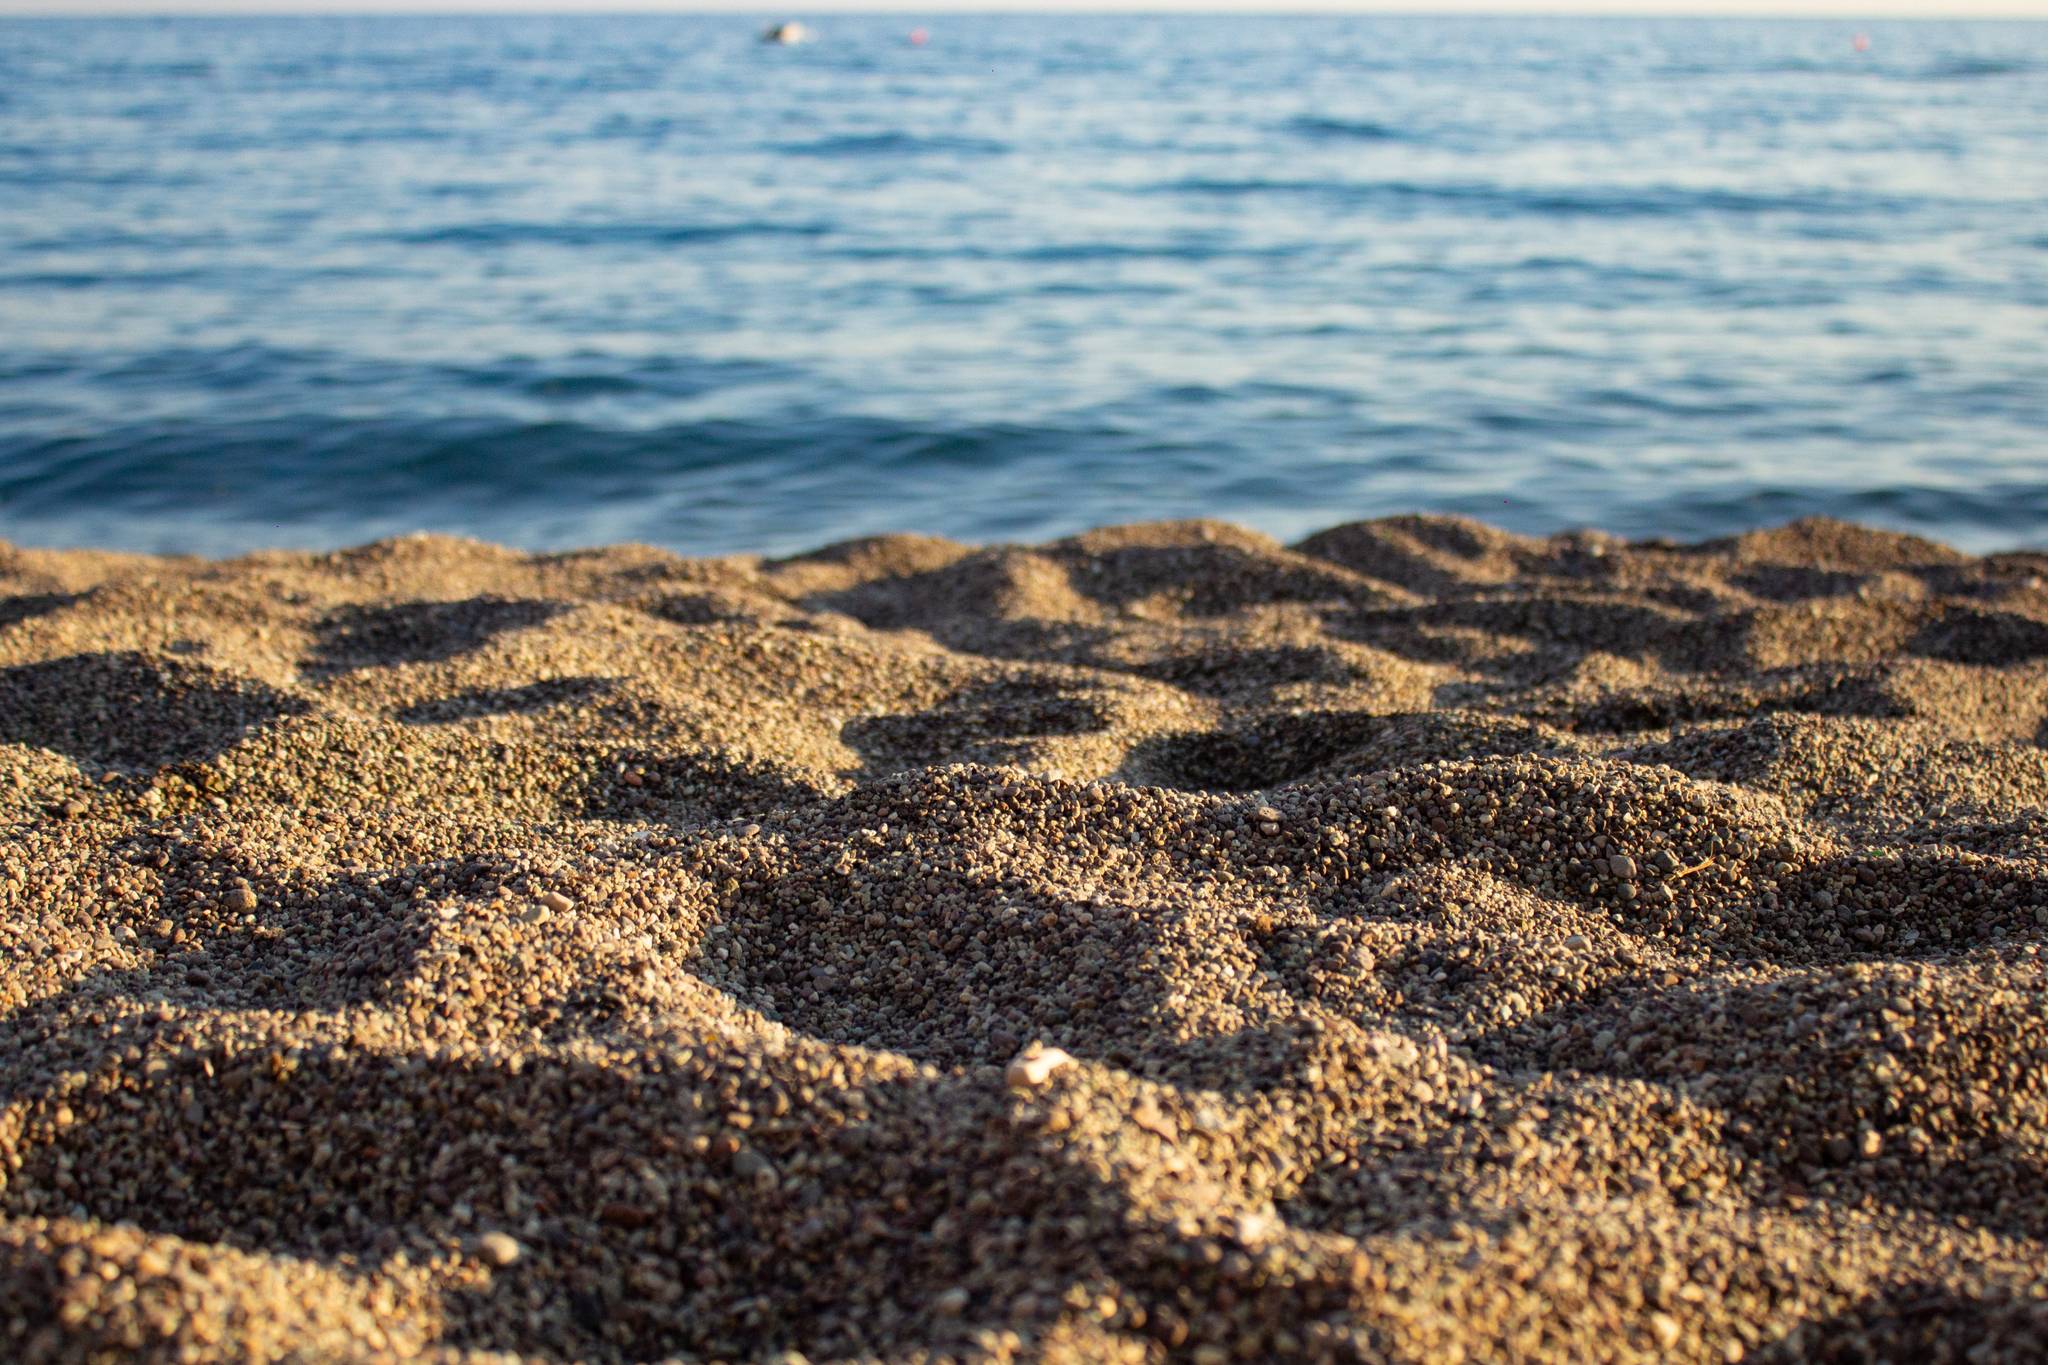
x=918 y=37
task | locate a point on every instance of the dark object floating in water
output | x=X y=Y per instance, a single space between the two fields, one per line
x=787 y=34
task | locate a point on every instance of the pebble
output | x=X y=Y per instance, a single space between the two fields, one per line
x=1666 y=1329
x=498 y=1249
x=749 y=1164
x=1035 y=1067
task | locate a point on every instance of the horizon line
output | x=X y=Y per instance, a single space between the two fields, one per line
x=1909 y=11
x=1848 y=11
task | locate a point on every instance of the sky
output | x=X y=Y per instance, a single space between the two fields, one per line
x=1847 y=10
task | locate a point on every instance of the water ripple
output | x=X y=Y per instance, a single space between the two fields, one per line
x=561 y=280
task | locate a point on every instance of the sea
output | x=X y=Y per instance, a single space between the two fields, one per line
x=560 y=281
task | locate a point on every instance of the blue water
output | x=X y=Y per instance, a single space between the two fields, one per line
x=564 y=281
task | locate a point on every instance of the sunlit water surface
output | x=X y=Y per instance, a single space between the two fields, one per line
x=566 y=281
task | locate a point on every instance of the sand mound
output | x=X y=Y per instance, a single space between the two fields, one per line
x=1420 y=944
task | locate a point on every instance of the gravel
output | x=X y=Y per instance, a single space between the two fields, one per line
x=1420 y=943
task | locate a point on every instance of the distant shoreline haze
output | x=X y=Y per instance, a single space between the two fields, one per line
x=1845 y=10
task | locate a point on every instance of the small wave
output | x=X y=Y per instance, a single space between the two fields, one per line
x=1514 y=201
x=1069 y=253
x=1665 y=405
x=1170 y=396
x=101 y=279
x=893 y=144
x=597 y=234
x=1969 y=68
x=1094 y=250
x=117 y=239
x=1227 y=187
x=1783 y=66
x=1997 y=514
x=313 y=469
x=1342 y=130
x=574 y=380
x=46 y=177
x=638 y=128
x=124 y=71
x=1065 y=253
x=1070 y=289
x=222 y=369
x=281 y=137
x=571 y=387
x=1607 y=271
x=557 y=380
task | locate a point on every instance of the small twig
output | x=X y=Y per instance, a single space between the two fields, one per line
x=1685 y=872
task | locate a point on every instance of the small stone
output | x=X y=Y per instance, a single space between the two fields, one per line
x=1872 y=1142
x=556 y=901
x=1666 y=1329
x=1256 y=1229
x=497 y=1248
x=621 y=1215
x=241 y=898
x=1623 y=867
x=1148 y=1116
x=950 y=1304
x=1034 y=1066
x=749 y=1164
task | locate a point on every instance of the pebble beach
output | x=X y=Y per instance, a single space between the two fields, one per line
x=1419 y=943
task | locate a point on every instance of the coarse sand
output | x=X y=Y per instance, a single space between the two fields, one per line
x=1417 y=944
